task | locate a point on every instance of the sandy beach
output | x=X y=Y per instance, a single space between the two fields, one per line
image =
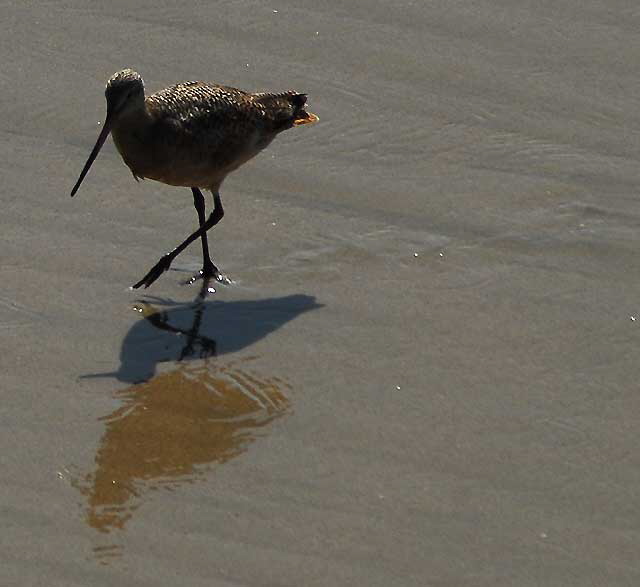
x=425 y=372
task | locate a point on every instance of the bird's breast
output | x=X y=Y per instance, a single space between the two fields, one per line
x=133 y=149
x=167 y=152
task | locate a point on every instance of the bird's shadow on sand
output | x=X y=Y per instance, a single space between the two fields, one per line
x=173 y=331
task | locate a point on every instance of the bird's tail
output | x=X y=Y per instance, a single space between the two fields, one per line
x=307 y=118
x=301 y=116
x=286 y=109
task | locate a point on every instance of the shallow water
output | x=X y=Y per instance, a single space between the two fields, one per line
x=170 y=430
x=433 y=314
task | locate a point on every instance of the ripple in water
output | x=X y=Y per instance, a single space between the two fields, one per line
x=169 y=431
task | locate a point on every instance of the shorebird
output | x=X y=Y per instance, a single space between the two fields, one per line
x=192 y=134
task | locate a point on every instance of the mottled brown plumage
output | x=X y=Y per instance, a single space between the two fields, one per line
x=192 y=134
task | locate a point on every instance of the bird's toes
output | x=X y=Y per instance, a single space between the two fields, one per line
x=147 y=280
x=156 y=271
x=209 y=272
x=221 y=278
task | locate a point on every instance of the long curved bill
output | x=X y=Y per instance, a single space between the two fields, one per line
x=102 y=137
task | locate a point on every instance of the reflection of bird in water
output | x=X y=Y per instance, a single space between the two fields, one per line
x=193 y=135
x=193 y=338
x=170 y=428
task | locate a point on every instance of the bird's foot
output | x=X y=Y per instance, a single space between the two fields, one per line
x=208 y=273
x=156 y=271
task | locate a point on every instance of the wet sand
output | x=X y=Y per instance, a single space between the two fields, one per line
x=426 y=371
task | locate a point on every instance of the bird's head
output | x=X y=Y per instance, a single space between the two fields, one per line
x=124 y=91
x=125 y=94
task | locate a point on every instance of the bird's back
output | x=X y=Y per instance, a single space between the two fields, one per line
x=199 y=132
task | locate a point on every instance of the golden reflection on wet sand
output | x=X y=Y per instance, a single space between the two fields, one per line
x=169 y=429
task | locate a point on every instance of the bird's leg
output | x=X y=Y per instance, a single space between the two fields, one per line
x=208 y=268
x=165 y=261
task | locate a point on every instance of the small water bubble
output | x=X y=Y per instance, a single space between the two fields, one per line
x=440 y=254
x=415 y=254
x=633 y=318
x=398 y=387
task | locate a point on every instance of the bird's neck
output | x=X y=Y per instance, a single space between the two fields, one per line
x=135 y=118
x=131 y=134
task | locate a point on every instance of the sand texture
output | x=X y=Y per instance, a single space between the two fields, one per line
x=426 y=372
